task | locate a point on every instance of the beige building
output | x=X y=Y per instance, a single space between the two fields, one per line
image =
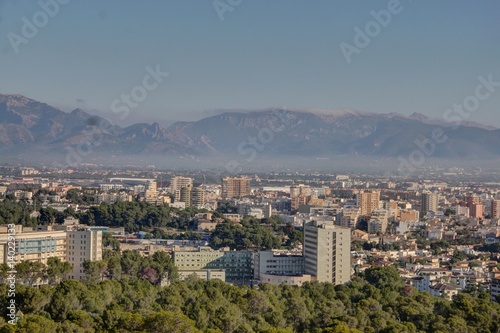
x=327 y=252
x=429 y=202
x=74 y=244
x=234 y=187
x=408 y=215
x=300 y=189
x=349 y=217
x=495 y=209
x=112 y=197
x=368 y=201
x=178 y=182
x=34 y=245
x=185 y=195
x=298 y=201
x=151 y=193
x=84 y=244
x=192 y=196
x=378 y=222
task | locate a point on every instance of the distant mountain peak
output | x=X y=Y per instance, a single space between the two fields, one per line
x=16 y=100
x=336 y=112
x=418 y=116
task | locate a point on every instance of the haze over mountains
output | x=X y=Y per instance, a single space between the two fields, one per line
x=37 y=131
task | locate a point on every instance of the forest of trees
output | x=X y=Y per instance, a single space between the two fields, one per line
x=377 y=301
x=134 y=216
x=14 y=211
x=256 y=233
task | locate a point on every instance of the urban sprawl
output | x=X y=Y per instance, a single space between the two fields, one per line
x=442 y=233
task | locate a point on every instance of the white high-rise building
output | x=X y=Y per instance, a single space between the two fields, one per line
x=83 y=245
x=327 y=252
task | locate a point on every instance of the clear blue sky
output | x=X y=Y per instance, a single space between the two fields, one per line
x=263 y=54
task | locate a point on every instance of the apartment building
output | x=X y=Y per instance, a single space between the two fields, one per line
x=178 y=182
x=235 y=187
x=368 y=201
x=429 y=202
x=83 y=244
x=472 y=199
x=379 y=220
x=495 y=208
x=34 y=245
x=327 y=252
x=349 y=217
x=112 y=197
x=74 y=244
x=191 y=196
x=408 y=215
x=300 y=189
x=476 y=210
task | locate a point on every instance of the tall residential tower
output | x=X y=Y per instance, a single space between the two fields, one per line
x=327 y=252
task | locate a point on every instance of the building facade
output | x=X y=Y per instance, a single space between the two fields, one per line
x=429 y=202
x=236 y=264
x=368 y=201
x=74 y=244
x=83 y=244
x=278 y=263
x=34 y=245
x=235 y=187
x=327 y=252
x=495 y=209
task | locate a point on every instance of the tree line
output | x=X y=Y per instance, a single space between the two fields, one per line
x=377 y=301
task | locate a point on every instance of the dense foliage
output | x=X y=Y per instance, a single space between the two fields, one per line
x=378 y=301
x=255 y=233
x=138 y=216
x=16 y=211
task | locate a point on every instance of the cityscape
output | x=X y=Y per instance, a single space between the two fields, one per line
x=438 y=235
x=234 y=166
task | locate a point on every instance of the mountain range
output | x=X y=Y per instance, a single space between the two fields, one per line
x=33 y=130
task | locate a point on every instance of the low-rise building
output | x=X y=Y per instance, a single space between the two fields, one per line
x=445 y=290
x=74 y=244
x=34 y=245
x=236 y=264
x=278 y=263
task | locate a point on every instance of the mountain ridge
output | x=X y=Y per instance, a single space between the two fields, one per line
x=28 y=126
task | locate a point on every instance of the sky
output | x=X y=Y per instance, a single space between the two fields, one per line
x=250 y=54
